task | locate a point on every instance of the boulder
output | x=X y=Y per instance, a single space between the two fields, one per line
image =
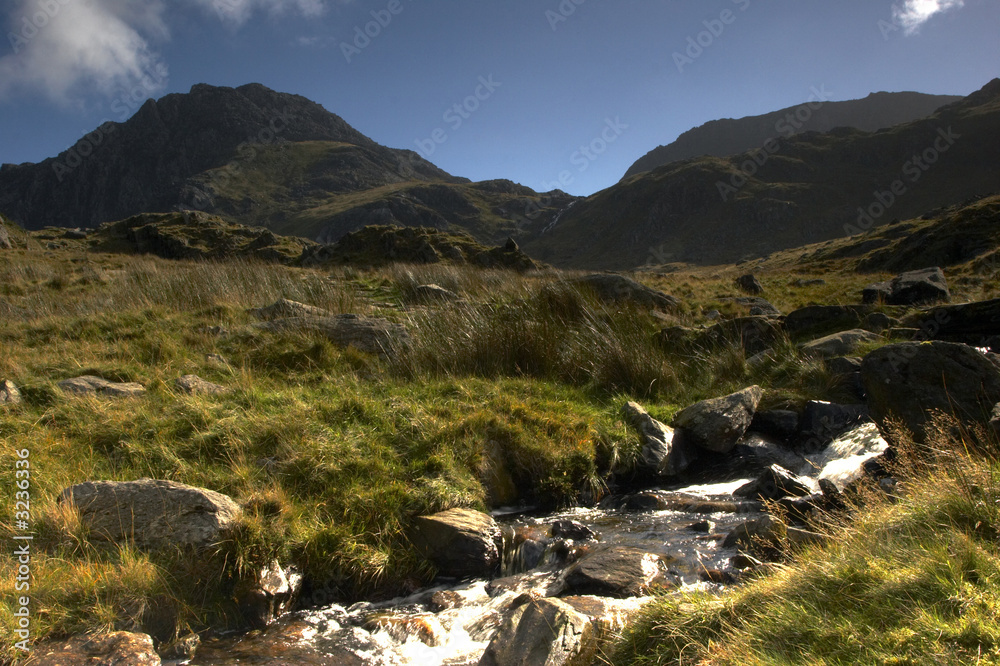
x=923 y=287
x=661 y=454
x=543 y=632
x=754 y=334
x=843 y=365
x=973 y=323
x=368 y=334
x=432 y=293
x=272 y=594
x=764 y=532
x=195 y=385
x=776 y=482
x=459 y=542
x=878 y=292
x=284 y=308
x=838 y=344
x=749 y=284
x=616 y=571
x=119 y=648
x=823 y=421
x=570 y=529
x=613 y=288
x=155 y=514
x=5 y=243
x=910 y=379
x=755 y=306
x=719 y=423
x=780 y=423
x=9 y=395
x=816 y=320
x=90 y=385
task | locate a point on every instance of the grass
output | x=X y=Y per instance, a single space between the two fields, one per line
x=907 y=581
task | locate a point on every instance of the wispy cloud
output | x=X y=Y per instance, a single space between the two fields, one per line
x=911 y=14
x=237 y=12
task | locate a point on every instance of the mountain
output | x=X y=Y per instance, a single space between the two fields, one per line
x=800 y=190
x=729 y=136
x=257 y=157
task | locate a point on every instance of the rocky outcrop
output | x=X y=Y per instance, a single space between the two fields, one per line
x=616 y=571
x=923 y=287
x=284 y=308
x=717 y=424
x=749 y=284
x=96 y=386
x=909 y=380
x=755 y=334
x=613 y=288
x=838 y=344
x=119 y=648
x=459 y=542
x=195 y=385
x=543 y=632
x=368 y=334
x=154 y=514
x=9 y=395
x=661 y=454
x=976 y=323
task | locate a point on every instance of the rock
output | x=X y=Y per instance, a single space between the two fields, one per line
x=816 y=320
x=570 y=529
x=75 y=234
x=368 y=334
x=661 y=454
x=460 y=542
x=284 y=308
x=181 y=649
x=879 y=292
x=764 y=532
x=608 y=616
x=995 y=420
x=877 y=322
x=543 y=632
x=749 y=284
x=155 y=514
x=923 y=287
x=194 y=385
x=511 y=245
x=780 y=423
x=717 y=424
x=90 y=385
x=776 y=482
x=823 y=421
x=716 y=576
x=610 y=287
x=702 y=526
x=9 y=395
x=271 y=595
x=838 y=344
x=843 y=365
x=972 y=323
x=120 y=648
x=757 y=451
x=616 y=571
x=5 y=243
x=755 y=334
x=432 y=293
x=843 y=461
x=754 y=305
x=908 y=380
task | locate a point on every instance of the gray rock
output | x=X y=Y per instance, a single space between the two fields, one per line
x=155 y=514
x=755 y=334
x=195 y=385
x=877 y=322
x=119 y=648
x=271 y=595
x=878 y=292
x=460 y=542
x=543 y=632
x=717 y=424
x=368 y=334
x=922 y=287
x=973 y=323
x=613 y=572
x=75 y=234
x=571 y=529
x=816 y=320
x=776 y=482
x=909 y=379
x=764 y=532
x=90 y=385
x=432 y=293
x=661 y=454
x=9 y=395
x=749 y=284
x=823 y=421
x=780 y=423
x=284 y=308
x=843 y=365
x=838 y=344
x=5 y=243
x=618 y=289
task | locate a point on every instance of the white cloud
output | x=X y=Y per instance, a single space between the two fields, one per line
x=236 y=12
x=912 y=14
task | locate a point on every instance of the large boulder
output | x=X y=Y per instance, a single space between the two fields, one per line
x=719 y=423
x=89 y=385
x=925 y=286
x=369 y=334
x=749 y=284
x=154 y=513
x=976 y=323
x=616 y=571
x=822 y=422
x=661 y=454
x=460 y=542
x=776 y=482
x=615 y=288
x=843 y=343
x=910 y=379
x=755 y=334
x=119 y=648
x=9 y=395
x=543 y=632
x=816 y=320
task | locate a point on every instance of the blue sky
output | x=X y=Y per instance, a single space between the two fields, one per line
x=552 y=76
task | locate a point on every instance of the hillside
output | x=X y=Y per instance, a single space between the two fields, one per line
x=803 y=190
x=729 y=136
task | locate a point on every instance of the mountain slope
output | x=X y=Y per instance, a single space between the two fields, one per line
x=730 y=136
x=809 y=188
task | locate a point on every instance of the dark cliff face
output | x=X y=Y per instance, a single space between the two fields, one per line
x=812 y=187
x=147 y=163
x=720 y=138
